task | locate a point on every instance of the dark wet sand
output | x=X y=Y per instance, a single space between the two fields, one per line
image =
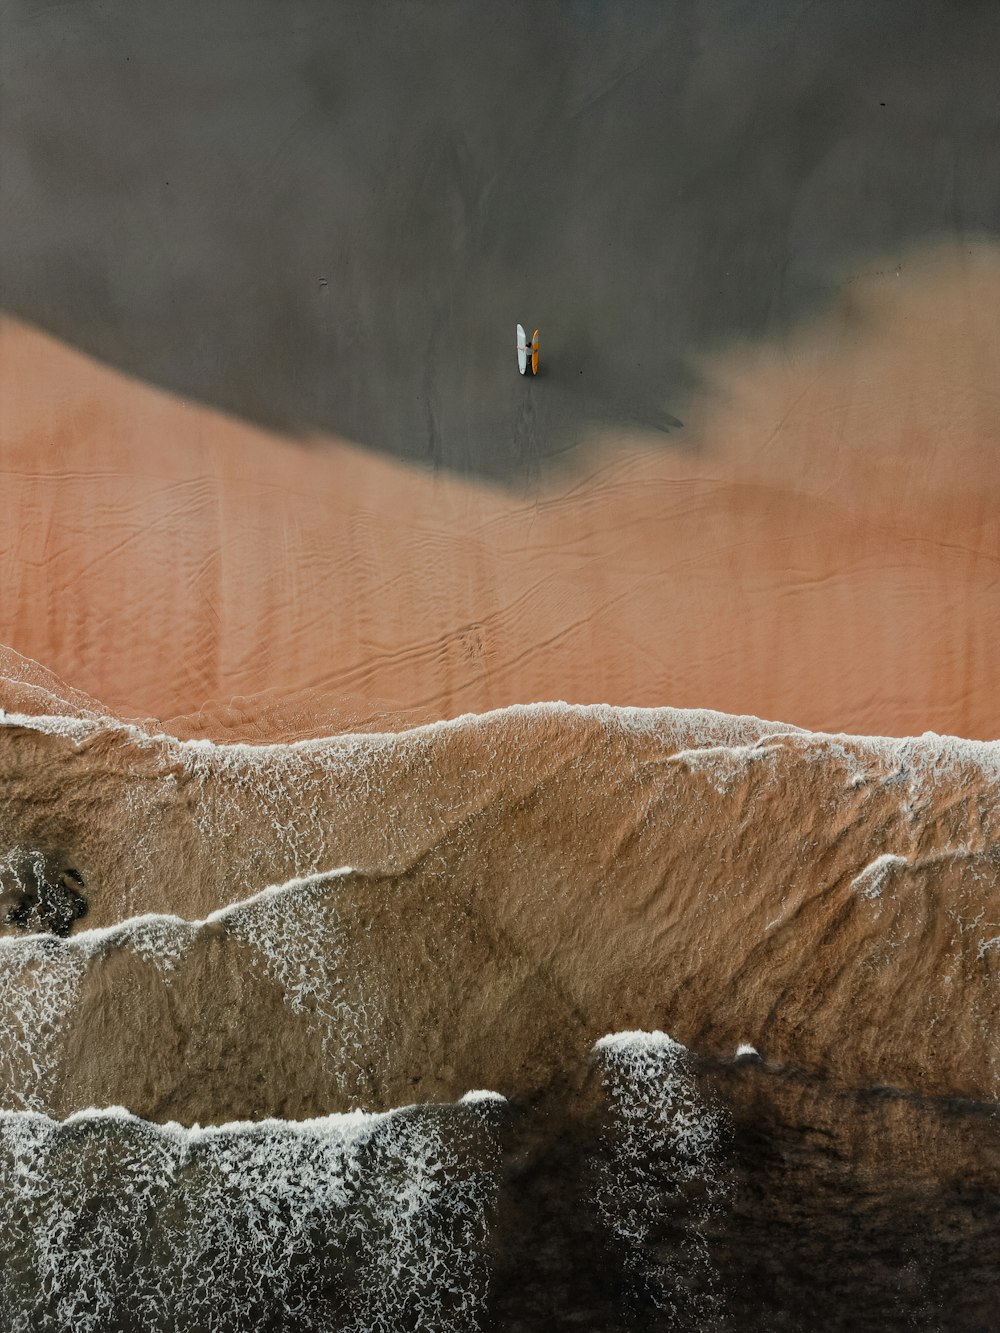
x=828 y=555
x=330 y=225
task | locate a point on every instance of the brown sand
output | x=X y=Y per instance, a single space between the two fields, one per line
x=531 y=880
x=822 y=546
x=537 y=878
x=821 y=543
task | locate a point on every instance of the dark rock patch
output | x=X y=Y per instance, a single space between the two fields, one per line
x=48 y=900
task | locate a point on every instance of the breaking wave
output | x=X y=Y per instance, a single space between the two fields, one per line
x=363 y=1223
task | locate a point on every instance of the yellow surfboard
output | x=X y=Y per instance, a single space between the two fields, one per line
x=534 y=353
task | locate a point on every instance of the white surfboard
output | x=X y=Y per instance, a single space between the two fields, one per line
x=522 y=350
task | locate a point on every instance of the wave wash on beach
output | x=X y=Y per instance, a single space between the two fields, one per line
x=486 y=852
x=295 y=931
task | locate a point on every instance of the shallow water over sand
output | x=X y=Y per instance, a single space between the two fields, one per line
x=291 y=932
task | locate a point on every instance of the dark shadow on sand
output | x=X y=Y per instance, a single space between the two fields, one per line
x=324 y=220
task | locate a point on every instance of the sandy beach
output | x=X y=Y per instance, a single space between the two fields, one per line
x=825 y=552
x=482 y=852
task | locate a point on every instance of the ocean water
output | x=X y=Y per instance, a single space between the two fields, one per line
x=733 y=987
x=360 y=1222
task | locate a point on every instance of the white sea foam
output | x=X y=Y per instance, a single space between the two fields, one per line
x=295 y=787
x=302 y=793
x=297 y=933
x=39 y=983
x=292 y=930
x=912 y=758
x=870 y=881
x=725 y=765
x=664 y=1167
x=702 y=725
x=363 y=1223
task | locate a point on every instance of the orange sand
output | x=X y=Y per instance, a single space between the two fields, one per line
x=820 y=544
